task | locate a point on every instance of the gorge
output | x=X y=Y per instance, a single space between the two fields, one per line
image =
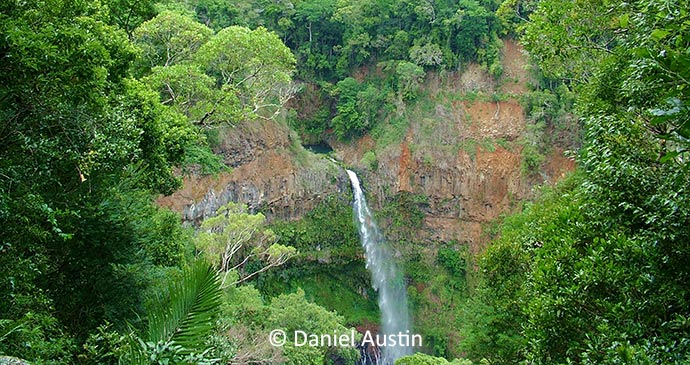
x=454 y=166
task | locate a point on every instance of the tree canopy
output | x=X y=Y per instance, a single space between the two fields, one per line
x=215 y=78
x=86 y=145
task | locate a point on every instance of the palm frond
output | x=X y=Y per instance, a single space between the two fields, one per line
x=188 y=315
x=133 y=350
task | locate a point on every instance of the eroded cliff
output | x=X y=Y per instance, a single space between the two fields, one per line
x=270 y=172
x=462 y=149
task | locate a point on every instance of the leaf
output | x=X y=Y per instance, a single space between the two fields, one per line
x=624 y=20
x=664 y=115
x=670 y=156
x=188 y=316
x=659 y=34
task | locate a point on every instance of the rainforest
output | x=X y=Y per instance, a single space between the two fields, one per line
x=235 y=182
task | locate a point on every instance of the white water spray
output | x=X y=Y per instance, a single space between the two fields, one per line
x=386 y=278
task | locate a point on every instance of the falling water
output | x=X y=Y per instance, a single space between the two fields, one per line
x=386 y=278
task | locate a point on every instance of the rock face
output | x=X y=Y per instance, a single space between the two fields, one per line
x=8 y=360
x=269 y=172
x=465 y=156
x=466 y=182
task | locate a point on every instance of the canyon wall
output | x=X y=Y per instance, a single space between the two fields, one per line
x=462 y=149
x=464 y=153
x=269 y=171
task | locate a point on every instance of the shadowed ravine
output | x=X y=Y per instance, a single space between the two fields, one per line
x=386 y=278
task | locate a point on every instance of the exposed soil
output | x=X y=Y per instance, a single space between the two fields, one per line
x=494 y=120
x=405 y=161
x=515 y=63
x=557 y=165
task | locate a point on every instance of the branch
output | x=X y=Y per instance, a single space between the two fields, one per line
x=283 y=258
x=171 y=92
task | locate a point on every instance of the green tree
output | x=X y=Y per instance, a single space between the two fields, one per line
x=128 y=14
x=399 y=46
x=241 y=335
x=218 y=14
x=600 y=262
x=429 y=54
x=292 y=312
x=472 y=23
x=189 y=91
x=424 y=359
x=169 y=39
x=234 y=237
x=409 y=77
x=571 y=39
x=315 y=39
x=349 y=121
x=621 y=59
x=254 y=65
x=595 y=272
x=246 y=322
x=84 y=149
x=214 y=79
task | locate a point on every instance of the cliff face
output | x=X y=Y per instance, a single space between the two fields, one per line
x=270 y=172
x=462 y=149
x=466 y=182
x=463 y=153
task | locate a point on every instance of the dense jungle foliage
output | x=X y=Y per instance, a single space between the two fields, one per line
x=104 y=103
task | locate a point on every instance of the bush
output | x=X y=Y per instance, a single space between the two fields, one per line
x=369 y=160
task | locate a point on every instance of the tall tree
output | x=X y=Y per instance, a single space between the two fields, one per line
x=601 y=265
x=253 y=64
x=170 y=38
x=234 y=74
x=83 y=149
x=128 y=14
x=625 y=59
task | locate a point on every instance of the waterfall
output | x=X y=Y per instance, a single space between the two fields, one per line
x=386 y=278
